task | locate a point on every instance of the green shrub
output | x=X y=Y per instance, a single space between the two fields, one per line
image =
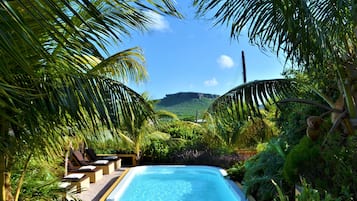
x=303 y=159
x=157 y=152
x=237 y=171
x=206 y=157
x=330 y=167
x=306 y=193
x=41 y=179
x=261 y=169
x=340 y=167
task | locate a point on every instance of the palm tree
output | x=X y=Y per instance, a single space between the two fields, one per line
x=140 y=128
x=315 y=36
x=224 y=129
x=56 y=71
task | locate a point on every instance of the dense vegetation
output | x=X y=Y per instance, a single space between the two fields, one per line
x=59 y=80
x=319 y=40
x=60 y=90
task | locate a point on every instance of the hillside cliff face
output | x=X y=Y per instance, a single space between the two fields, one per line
x=177 y=98
x=190 y=95
x=186 y=105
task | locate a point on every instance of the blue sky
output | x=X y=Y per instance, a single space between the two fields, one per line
x=192 y=55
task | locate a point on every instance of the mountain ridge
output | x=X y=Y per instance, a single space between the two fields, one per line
x=186 y=105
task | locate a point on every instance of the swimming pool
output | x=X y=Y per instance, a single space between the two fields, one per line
x=176 y=183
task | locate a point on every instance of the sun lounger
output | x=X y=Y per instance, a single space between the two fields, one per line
x=105 y=165
x=80 y=180
x=67 y=190
x=93 y=172
x=94 y=157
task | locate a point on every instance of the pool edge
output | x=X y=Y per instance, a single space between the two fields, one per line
x=249 y=197
x=111 y=188
x=125 y=172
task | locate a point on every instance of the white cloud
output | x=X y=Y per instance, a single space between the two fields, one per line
x=157 y=21
x=225 y=61
x=210 y=83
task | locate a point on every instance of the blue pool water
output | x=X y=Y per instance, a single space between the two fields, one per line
x=176 y=183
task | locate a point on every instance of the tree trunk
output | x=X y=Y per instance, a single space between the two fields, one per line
x=21 y=180
x=354 y=13
x=3 y=178
x=5 y=183
x=66 y=161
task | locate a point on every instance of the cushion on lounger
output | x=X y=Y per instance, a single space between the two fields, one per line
x=74 y=176
x=64 y=185
x=101 y=162
x=87 y=167
x=110 y=157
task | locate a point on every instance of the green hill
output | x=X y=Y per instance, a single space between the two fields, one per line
x=186 y=105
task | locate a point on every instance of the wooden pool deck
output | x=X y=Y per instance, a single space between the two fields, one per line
x=96 y=190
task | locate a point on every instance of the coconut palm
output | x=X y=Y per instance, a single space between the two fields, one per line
x=56 y=71
x=315 y=36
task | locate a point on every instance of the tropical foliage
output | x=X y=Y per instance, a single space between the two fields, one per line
x=57 y=72
x=262 y=168
x=303 y=32
x=243 y=134
x=319 y=40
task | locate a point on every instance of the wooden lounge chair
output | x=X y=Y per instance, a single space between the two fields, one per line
x=110 y=157
x=93 y=172
x=79 y=180
x=67 y=190
x=107 y=166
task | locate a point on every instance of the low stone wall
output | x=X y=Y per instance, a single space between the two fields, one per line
x=245 y=154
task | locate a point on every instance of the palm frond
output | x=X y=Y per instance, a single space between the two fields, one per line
x=246 y=100
x=47 y=37
x=46 y=89
x=164 y=114
x=83 y=100
x=163 y=6
x=302 y=30
x=60 y=29
x=158 y=135
x=125 y=65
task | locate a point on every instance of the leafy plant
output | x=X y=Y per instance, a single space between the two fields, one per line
x=280 y=196
x=237 y=171
x=40 y=179
x=257 y=130
x=303 y=160
x=324 y=51
x=339 y=167
x=263 y=168
x=56 y=72
x=306 y=193
x=182 y=136
x=320 y=46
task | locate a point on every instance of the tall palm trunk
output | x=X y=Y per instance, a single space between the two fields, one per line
x=5 y=192
x=3 y=177
x=354 y=12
